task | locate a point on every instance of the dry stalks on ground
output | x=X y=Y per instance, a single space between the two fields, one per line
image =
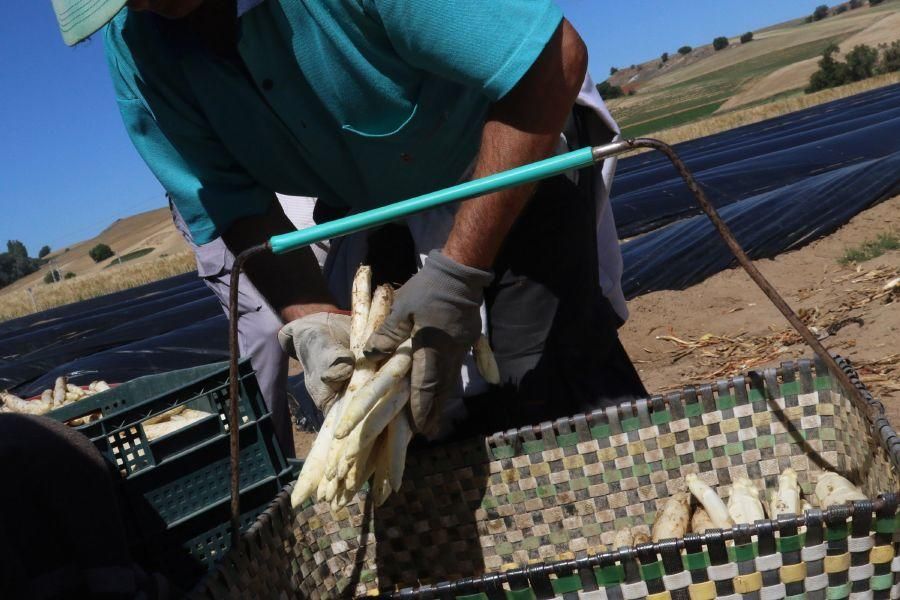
x=719 y=356
x=120 y=277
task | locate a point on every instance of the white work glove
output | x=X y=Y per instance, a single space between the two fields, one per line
x=321 y=342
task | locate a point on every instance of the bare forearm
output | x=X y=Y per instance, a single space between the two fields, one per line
x=292 y=282
x=522 y=127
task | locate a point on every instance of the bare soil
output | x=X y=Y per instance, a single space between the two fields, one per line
x=725 y=325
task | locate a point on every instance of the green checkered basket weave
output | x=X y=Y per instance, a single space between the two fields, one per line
x=530 y=513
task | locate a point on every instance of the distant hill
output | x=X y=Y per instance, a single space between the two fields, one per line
x=776 y=63
x=142 y=237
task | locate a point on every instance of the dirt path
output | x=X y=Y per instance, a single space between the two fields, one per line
x=725 y=325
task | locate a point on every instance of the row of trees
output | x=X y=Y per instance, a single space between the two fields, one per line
x=861 y=63
x=718 y=44
x=823 y=11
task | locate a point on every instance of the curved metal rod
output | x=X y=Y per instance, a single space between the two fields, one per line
x=768 y=289
x=234 y=389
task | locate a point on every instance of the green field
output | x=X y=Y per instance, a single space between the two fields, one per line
x=701 y=96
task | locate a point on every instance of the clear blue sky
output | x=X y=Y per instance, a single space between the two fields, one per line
x=67 y=169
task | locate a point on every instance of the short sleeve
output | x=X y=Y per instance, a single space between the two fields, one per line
x=209 y=188
x=486 y=44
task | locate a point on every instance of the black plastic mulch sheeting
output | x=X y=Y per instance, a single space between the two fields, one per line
x=743 y=162
x=198 y=344
x=97 y=306
x=689 y=251
x=152 y=324
x=68 y=330
x=781 y=183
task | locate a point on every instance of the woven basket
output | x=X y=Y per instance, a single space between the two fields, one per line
x=530 y=513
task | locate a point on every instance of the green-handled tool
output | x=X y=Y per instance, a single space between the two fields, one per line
x=530 y=173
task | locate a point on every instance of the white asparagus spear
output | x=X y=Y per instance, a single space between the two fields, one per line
x=361 y=313
x=399 y=435
x=485 y=360
x=367 y=431
x=833 y=489
x=743 y=504
x=26 y=407
x=786 y=499
x=380 y=308
x=364 y=368
x=47 y=396
x=393 y=370
x=59 y=391
x=71 y=388
x=672 y=520
x=314 y=465
x=360 y=300
x=381 y=481
x=706 y=496
x=99 y=386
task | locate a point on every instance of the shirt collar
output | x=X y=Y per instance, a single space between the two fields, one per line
x=244 y=5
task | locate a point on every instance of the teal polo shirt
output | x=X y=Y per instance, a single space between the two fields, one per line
x=356 y=102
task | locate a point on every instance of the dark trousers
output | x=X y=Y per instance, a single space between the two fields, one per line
x=553 y=332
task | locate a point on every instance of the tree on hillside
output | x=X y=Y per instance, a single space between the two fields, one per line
x=855 y=4
x=875 y=2
x=890 y=58
x=684 y=50
x=613 y=71
x=820 y=13
x=840 y=9
x=664 y=57
x=608 y=91
x=44 y=251
x=16 y=249
x=100 y=252
x=831 y=72
x=747 y=37
x=15 y=263
x=720 y=43
x=861 y=62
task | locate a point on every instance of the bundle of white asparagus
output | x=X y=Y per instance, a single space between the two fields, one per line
x=366 y=433
x=62 y=393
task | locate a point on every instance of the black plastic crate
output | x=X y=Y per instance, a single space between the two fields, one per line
x=177 y=486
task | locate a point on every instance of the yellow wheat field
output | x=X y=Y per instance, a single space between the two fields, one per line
x=19 y=302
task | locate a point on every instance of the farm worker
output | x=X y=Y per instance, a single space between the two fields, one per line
x=359 y=103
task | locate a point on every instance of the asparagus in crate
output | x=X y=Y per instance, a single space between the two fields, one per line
x=63 y=393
